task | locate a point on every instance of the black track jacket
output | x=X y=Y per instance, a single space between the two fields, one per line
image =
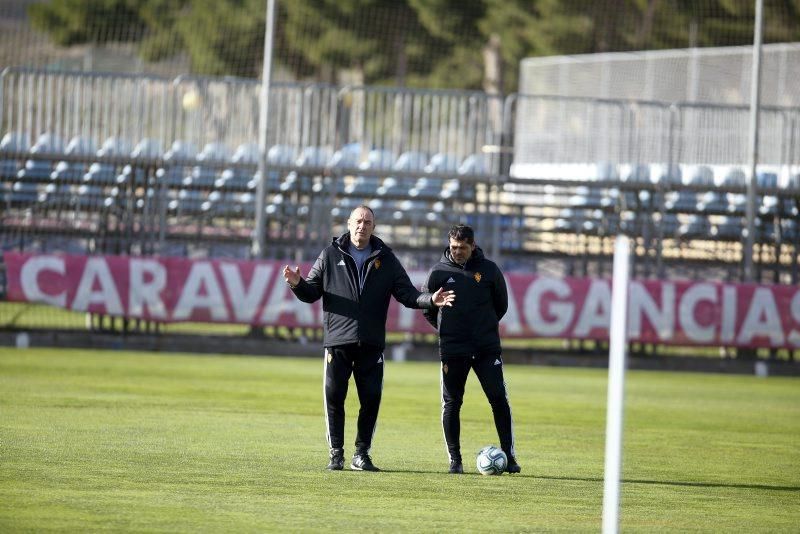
x=472 y=324
x=353 y=315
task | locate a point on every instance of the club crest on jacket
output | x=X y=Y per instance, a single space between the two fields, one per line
x=377 y=264
x=477 y=277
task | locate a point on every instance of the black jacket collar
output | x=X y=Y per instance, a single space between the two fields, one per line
x=377 y=245
x=476 y=257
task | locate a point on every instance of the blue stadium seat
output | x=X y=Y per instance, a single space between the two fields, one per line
x=272 y=184
x=245 y=205
x=391 y=186
x=426 y=188
x=378 y=158
x=281 y=155
x=39 y=170
x=696 y=227
x=57 y=195
x=767 y=180
x=180 y=150
x=790 y=230
x=734 y=177
x=713 y=203
x=237 y=178
x=635 y=174
x=765 y=230
x=346 y=157
x=202 y=175
x=700 y=175
x=365 y=186
x=794 y=182
x=681 y=201
x=473 y=164
x=667 y=174
x=171 y=176
x=411 y=161
x=313 y=156
x=92 y=197
x=188 y=202
x=728 y=229
x=450 y=188
x=768 y=204
x=442 y=163
x=593 y=198
x=410 y=208
x=77 y=146
x=12 y=142
x=23 y=194
x=669 y=225
x=104 y=173
x=147 y=148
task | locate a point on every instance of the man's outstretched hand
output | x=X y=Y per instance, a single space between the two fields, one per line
x=443 y=298
x=291 y=277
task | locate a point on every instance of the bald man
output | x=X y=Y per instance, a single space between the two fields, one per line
x=355 y=276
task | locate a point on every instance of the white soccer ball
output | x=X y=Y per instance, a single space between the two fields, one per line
x=491 y=461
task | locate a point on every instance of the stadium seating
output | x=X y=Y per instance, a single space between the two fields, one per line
x=205 y=176
x=39 y=170
x=105 y=173
x=236 y=178
x=73 y=171
x=346 y=157
x=12 y=142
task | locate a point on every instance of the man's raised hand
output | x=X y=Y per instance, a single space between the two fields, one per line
x=443 y=298
x=291 y=277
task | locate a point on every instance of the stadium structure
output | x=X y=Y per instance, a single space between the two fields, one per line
x=128 y=164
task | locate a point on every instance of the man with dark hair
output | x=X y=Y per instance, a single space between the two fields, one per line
x=469 y=338
x=355 y=276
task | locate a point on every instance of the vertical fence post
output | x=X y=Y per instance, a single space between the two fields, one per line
x=259 y=237
x=618 y=334
x=755 y=104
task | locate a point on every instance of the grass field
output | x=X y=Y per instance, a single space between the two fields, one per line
x=152 y=442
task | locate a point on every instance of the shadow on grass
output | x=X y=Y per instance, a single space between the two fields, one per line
x=766 y=487
x=684 y=484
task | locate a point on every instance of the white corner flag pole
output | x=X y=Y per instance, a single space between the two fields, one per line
x=618 y=344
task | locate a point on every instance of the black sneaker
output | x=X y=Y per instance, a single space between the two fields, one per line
x=513 y=466
x=456 y=467
x=362 y=462
x=337 y=460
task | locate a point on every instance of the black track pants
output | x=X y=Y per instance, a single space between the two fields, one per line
x=489 y=370
x=366 y=366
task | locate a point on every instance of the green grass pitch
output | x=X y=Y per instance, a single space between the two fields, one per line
x=152 y=442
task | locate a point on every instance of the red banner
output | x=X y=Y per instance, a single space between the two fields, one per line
x=253 y=292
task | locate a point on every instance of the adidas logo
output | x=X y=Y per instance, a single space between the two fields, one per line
x=341 y=262
x=498 y=362
x=380 y=360
x=450 y=281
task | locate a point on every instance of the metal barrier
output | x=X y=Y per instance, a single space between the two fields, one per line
x=423 y=158
x=93 y=106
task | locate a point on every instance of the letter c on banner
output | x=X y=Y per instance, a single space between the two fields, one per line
x=29 y=279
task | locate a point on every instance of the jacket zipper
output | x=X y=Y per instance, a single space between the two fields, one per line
x=359 y=285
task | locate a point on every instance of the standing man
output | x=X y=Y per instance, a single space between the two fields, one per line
x=355 y=276
x=469 y=338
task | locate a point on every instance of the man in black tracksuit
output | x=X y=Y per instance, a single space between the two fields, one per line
x=355 y=277
x=469 y=338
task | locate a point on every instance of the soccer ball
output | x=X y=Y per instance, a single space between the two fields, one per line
x=491 y=461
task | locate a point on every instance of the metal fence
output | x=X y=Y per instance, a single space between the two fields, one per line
x=546 y=180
